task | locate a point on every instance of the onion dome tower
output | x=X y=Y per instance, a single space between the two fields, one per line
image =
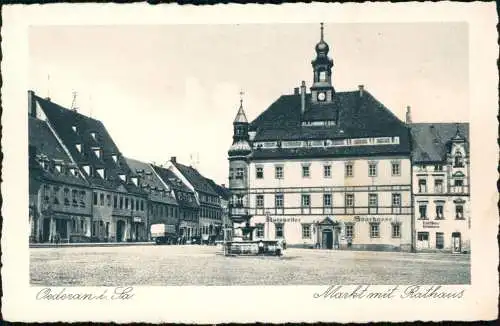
x=322 y=90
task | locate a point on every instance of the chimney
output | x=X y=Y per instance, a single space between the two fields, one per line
x=408 y=115
x=31 y=104
x=361 y=90
x=173 y=159
x=296 y=91
x=223 y=185
x=303 y=97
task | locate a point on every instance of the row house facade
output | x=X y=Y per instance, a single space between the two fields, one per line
x=323 y=169
x=118 y=206
x=60 y=207
x=441 y=186
x=188 y=207
x=210 y=209
x=163 y=206
x=224 y=197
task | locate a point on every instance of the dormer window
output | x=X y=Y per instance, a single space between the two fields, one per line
x=134 y=180
x=74 y=128
x=122 y=177
x=100 y=172
x=93 y=135
x=78 y=147
x=115 y=158
x=58 y=167
x=97 y=152
x=86 y=168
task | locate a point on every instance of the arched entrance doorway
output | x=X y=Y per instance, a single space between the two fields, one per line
x=120 y=230
x=456 y=242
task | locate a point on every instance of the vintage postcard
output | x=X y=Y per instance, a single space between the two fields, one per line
x=294 y=163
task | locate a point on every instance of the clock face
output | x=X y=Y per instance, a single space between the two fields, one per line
x=321 y=96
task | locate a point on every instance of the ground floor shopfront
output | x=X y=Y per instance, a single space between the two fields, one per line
x=120 y=229
x=442 y=235
x=61 y=227
x=391 y=233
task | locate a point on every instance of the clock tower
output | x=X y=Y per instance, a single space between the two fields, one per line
x=322 y=90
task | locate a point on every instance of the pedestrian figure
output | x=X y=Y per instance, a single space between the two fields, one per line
x=261 y=247
x=349 y=242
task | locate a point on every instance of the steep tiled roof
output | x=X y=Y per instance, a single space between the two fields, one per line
x=222 y=191
x=149 y=180
x=173 y=181
x=64 y=120
x=195 y=178
x=43 y=143
x=431 y=141
x=358 y=117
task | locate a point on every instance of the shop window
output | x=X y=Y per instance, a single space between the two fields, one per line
x=101 y=199
x=95 y=198
x=423 y=236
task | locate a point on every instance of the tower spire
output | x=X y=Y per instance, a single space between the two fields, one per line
x=321 y=32
x=240 y=116
x=241 y=98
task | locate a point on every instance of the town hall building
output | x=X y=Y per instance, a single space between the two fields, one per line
x=323 y=168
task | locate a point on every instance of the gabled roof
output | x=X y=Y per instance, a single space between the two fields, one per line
x=432 y=141
x=150 y=180
x=198 y=181
x=175 y=183
x=64 y=120
x=43 y=143
x=223 y=192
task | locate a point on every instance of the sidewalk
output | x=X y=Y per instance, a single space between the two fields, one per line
x=90 y=244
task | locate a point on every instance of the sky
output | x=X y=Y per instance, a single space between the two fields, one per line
x=174 y=90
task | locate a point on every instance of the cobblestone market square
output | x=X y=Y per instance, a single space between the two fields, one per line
x=206 y=265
